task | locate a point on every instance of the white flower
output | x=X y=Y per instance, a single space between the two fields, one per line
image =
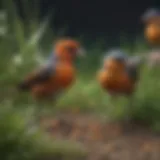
x=17 y=60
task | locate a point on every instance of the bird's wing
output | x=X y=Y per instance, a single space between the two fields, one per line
x=133 y=65
x=116 y=54
x=36 y=77
x=39 y=76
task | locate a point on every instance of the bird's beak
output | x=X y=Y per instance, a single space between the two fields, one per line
x=81 y=52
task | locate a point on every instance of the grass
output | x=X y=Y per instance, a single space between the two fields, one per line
x=23 y=48
x=17 y=142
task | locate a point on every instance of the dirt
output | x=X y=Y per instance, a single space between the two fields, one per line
x=104 y=140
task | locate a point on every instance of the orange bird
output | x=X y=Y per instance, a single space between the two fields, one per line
x=119 y=74
x=57 y=74
x=151 y=19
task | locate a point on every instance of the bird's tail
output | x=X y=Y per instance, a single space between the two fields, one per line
x=137 y=61
x=28 y=82
x=34 y=78
x=24 y=86
x=133 y=66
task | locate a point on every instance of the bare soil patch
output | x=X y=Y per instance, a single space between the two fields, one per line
x=105 y=141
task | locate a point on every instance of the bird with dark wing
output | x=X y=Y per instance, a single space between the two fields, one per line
x=151 y=19
x=57 y=74
x=120 y=73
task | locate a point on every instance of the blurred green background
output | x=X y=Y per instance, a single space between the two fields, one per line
x=24 y=46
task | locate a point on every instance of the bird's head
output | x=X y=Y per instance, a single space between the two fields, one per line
x=115 y=60
x=151 y=19
x=152 y=33
x=68 y=49
x=151 y=16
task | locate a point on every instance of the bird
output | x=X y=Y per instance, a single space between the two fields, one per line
x=151 y=20
x=56 y=75
x=119 y=74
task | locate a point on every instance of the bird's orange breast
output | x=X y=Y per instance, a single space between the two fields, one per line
x=116 y=82
x=152 y=33
x=62 y=78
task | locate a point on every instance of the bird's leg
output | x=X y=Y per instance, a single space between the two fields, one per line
x=112 y=98
x=40 y=109
x=50 y=104
x=33 y=123
x=55 y=97
x=129 y=110
x=36 y=115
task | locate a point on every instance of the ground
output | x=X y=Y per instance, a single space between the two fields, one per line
x=103 y=140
